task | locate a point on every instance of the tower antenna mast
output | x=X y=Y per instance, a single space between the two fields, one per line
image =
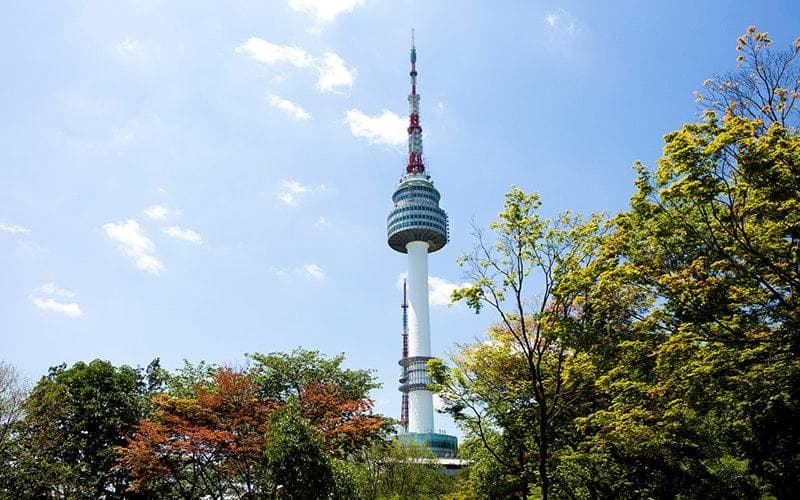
x=416 y=164
x=404 y=359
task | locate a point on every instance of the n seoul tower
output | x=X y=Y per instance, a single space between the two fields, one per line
x=417 y=226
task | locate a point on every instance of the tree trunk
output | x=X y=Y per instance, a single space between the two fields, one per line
x=543 y=477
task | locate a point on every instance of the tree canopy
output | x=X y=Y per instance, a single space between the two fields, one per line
x=655 y=355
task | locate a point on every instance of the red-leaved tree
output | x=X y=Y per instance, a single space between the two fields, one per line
x=209 y=444
x=348 y=425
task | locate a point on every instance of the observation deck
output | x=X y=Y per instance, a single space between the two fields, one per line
x=416 y=215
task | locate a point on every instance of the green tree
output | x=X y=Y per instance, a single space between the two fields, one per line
x=490 y=477
x=281 y=375
x=517 y=382
x=74 y=417
x=765 y=85
x=12 y=397
x=12 y=400
x=296 y=457
x=335 y=399
x=185 y=381
x=393 y=470
x=704 y=393
x=716 y=239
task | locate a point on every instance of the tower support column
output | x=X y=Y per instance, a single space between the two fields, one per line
x=420 y=404
x=419 y=322
x=420 y=400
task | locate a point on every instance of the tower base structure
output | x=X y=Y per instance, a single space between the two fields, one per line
x=442 y=445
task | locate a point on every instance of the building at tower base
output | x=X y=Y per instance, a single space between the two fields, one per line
x=442 y=445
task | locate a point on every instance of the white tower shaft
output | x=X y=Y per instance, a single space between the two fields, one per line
x=419 y=333
x=419 y=322
x=420 y=406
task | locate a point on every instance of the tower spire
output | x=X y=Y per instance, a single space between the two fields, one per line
x=415 y=162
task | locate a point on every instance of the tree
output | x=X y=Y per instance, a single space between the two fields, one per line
x=347 y=425
x=487 y=390
x=12 y=400
x=765 y=85
x=705 y=389
x=486 y=476
x=186 y=380
x=209 y=444
x=73 y=419
x=716 y=240
x=281 y=375
x=391 y=470
x=335 y=399
x=295 y=455
x=537 y=338
x=206 y=434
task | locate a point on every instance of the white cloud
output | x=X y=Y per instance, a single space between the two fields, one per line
x=333 y=73
x=156 y=212
x=562 y=22
x=292 y=191
x=52 y=289
x=572 y=27
x=134 y=243
x=324 y=10
x=439 y=289
x=291 y=109
x=72 y=309
x=321 y=222
x=440 y=106
x=43 y=299
x=314 y=271
x=129 y=47
x=270 y=53
x=13 y=228
x=278 y=79
x=183 y=234
x=308 y=272
x=387 y=128
x=281 y=273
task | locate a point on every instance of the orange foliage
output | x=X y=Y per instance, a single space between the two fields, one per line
x=347 y=424
x=221 y=429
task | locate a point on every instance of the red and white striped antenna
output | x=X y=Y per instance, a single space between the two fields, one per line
x=415 y=161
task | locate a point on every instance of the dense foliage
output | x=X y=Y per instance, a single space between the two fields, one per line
x=73 y=419
x=287 y=422
x=658 y=354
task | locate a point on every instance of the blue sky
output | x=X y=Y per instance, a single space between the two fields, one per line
x=184 y=179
